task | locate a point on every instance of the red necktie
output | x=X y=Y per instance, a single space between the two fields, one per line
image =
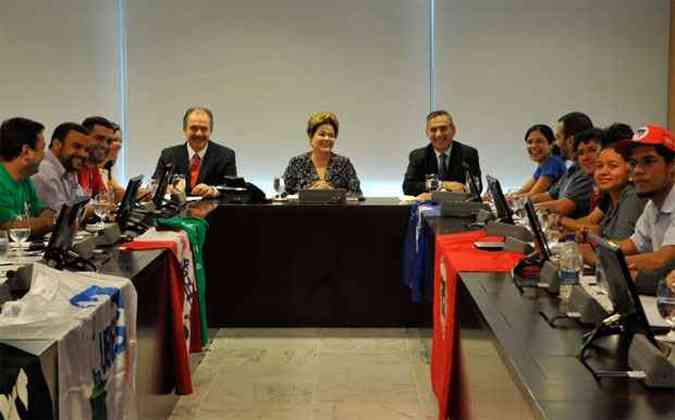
x=195 y=165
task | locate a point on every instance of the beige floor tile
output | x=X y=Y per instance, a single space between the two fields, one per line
x=269 y=332
x=365 y=340
x=365 y=377
x=388 y=410
x=261 y=411
x=314 y=374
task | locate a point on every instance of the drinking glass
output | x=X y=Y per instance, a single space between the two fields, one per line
x=102 y=205
x=279 y=186
x=665 y=303
x=147 y=191
x=19 y=231
x=432 y=182
x=518 y=205
x=178 y=183
x=553 y=228
x=4 y=244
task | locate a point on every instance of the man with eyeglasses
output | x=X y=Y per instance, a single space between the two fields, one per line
x=651 y=249
x=101 y=135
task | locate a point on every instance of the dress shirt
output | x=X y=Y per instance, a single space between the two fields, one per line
x=54 y=185
x=191 y=153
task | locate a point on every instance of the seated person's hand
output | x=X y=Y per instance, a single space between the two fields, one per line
x=204 y=190
x=320 y=185
x=424 y=196
x=582 y=235
x=587 y=253
x=143 y=194
x=452 y=186
x=89 y=211
x=201 y=208
x=670 y=280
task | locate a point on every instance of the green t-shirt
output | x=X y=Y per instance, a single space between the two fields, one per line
x=14 y=195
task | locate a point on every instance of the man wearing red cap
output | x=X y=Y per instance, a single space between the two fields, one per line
x=652 y=246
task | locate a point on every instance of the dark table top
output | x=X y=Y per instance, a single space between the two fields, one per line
x=445 y=225
x=309 y=265
x=543 y=359
x=129 y=263
x=366 y=202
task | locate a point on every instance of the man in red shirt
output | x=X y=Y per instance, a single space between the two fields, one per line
x=101 y=138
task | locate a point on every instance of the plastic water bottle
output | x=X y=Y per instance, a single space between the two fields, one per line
x=571 y=264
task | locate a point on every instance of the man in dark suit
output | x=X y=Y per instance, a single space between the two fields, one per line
x=204 y=163
x=443 y=156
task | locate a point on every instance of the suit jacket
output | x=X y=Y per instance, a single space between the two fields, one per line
x=423 y=161
x=219 y=162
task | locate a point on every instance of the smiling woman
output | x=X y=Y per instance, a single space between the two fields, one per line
x=320 y=168
x=539 y=140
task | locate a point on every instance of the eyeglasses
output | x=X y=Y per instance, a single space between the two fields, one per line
x=644 y=163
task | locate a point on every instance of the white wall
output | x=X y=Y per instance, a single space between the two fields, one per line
x=263 y=66
x=506 y=65
x=58 y=60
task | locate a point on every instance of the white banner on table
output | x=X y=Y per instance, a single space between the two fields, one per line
x=94 y=324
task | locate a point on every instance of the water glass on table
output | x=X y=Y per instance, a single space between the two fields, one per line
x=432 y=183
x=552 y=226
x=518 y=205
x=178 y=183
x=103 y=204
x=279 y=187
x=19 y=232
x=665 y=303
x=4 y=244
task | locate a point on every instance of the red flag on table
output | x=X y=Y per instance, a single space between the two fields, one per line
x=456 y=253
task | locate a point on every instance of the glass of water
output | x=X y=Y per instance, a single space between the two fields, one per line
x=665 y=303
x=4 y=244
x=102 y=205
x=178 y=183
x=432 y=182
x=19 y=232
x=279 y=187
x=518 y=205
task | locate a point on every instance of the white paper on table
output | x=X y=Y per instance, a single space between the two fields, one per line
x=407 y=199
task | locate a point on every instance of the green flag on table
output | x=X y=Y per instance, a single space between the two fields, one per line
x=196 y=232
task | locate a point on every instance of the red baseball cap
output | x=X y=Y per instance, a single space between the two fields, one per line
x=650 y=135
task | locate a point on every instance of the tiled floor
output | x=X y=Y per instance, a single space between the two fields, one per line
x=338 y=374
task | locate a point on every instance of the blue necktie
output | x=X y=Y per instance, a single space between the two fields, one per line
x=442 y=171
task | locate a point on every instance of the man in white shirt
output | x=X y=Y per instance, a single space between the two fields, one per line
x=652 y=246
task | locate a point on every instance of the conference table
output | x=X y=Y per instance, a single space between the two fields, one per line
x=336 y=265
x=543 y=362
x=295 y=264
x=541 y=359
x=146 y=270
x=153 y=398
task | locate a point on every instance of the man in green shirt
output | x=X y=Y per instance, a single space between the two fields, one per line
x=22 y=146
